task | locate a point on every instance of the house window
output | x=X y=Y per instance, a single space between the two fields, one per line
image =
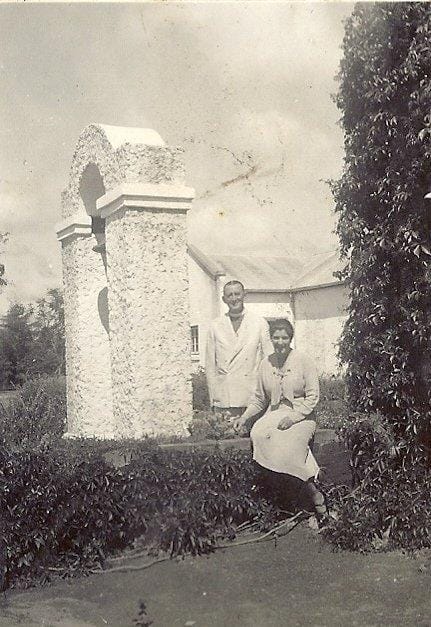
x=195 y=338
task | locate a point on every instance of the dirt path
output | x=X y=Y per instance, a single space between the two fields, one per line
x=299 y=582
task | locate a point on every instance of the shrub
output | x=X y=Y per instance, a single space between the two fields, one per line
x=201 y=400
x=366 y=436
x=65 y=506
x=332 y=388
x=207 y=425
x=36 y=413
x=389 y=507
x=331 y=410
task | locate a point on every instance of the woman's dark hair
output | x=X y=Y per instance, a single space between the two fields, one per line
x=283 y=324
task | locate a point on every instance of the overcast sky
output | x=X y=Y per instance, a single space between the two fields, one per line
x=243 y=87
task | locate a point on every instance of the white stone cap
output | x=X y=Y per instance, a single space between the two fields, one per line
x=162 y=197
x=120 y=135
x=78 y=224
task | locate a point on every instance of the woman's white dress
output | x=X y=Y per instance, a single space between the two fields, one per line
x=284 y=391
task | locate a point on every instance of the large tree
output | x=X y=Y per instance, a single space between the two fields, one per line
x=15 y=345
x=32 y=340
x=384 y=221
x=48 y=346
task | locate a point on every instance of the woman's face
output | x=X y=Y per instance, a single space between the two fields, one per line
x=281 y=340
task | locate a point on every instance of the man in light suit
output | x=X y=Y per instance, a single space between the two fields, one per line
x=237 y=342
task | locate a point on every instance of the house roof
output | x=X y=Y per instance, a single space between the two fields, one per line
x=259 y=273
x=271 y=273
x=319 y=271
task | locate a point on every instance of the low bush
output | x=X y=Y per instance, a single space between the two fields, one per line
x=390 y=505
x=366 y=437
x=201 y=399
x=67 y=507
x=207 y=425
x=332 y=388
x=36 y=413
x=331 y=410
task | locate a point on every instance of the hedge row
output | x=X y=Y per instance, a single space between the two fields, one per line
x=67 y=507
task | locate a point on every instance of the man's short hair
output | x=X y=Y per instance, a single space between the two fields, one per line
x=234 y=282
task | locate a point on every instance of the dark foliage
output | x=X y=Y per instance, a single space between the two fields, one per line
x=66 y=506
x=36 y=413
x=48 y=347
x=201 y=399
x=32 y=340
x=384 y=226
x=15 y=344
x=390 y=504
x=384 y=221
x=207 y=425
x=331 y=410
x=366 y=437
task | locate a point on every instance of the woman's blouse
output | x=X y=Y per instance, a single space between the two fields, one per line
x=295 y=382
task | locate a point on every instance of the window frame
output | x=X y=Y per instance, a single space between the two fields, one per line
x=194 y=338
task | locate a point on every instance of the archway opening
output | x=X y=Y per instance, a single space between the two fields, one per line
x=91 y=188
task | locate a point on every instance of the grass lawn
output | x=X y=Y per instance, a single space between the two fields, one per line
x=300 y=581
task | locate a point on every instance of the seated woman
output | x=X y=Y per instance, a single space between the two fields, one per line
x=288 y=389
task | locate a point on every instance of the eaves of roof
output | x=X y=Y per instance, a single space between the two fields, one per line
x=306 y=288
x=317 y=274
x=207 y=264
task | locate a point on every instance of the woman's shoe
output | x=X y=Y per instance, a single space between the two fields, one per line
x=322 y=512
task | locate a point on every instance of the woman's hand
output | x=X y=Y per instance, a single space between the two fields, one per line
x=239 y=426
x=290 y=420
x=285 y=423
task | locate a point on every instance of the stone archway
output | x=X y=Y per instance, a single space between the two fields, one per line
x=123 y=237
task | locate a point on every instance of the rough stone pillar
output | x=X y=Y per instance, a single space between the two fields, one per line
x=89 y=397
x=149 y=310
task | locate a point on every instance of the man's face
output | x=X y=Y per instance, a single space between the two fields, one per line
x=233 y=297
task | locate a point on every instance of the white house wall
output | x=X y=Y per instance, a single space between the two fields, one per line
x=269 y=304
x=203 y=304
x=319 y=317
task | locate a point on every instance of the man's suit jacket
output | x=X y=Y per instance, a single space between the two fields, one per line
x=232 y=359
